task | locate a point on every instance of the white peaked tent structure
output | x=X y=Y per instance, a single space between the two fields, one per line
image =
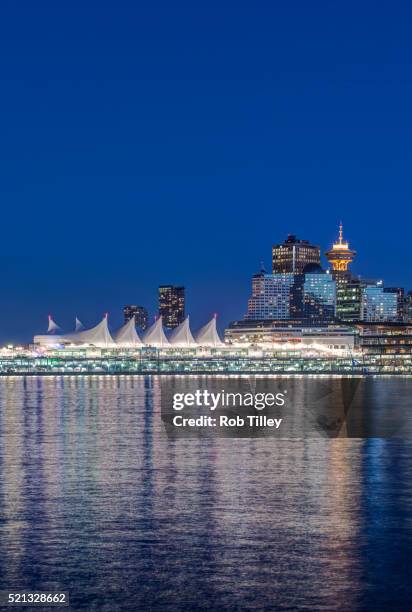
x=78 y=325
x=97 y=336
x=155 y=335
x=53 y=328
x=207 y=335
x=52 y=337
x=182 y=336
x=127 y=335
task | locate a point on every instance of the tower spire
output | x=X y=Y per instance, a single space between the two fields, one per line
x=340 y=255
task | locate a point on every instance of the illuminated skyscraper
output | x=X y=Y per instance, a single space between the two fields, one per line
x=378 y=304
x=293 y=255
x=348 y=297
x=275 y=296
x=306 y=297
x=171 y=305
x=408 y=307
x=138 y=312
x=319 y=296
x=401 y=315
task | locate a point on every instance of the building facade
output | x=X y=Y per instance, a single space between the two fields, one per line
x=379 y=304
x=138 y=312
x=319 y=297
x=293 y=255
x=171 y=305
x=408 y=307
x=294 y=334
x=400 y=293
x=275 y=296
x=348 y=297
x=282 y=297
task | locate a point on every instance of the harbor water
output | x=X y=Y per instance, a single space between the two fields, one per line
x=96 y=500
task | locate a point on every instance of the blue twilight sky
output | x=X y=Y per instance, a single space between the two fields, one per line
x=146 y=143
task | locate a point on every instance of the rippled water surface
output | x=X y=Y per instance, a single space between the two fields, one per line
x=97 y=501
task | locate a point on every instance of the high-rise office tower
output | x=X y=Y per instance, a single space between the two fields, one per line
x=348 y=297
x=171 y=305
x=401 y=309
x=293 y=255
x=378 y=304
x=319 y=296
x=408 y=307
x=139 y=313
x=306 y=297
x=275 y=296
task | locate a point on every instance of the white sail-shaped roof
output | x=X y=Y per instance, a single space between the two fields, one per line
x=155 y=335
x=207 y=335
x=79 y=325
x=182 y=336
x=53 y=328
x=127 y=335
x=98 y=335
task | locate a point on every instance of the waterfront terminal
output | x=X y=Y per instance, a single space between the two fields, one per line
x=264 y=348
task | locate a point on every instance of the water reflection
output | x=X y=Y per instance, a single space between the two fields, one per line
x=95 y=499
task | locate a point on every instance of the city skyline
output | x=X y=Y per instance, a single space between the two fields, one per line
x=141 y=146
x=151 y=315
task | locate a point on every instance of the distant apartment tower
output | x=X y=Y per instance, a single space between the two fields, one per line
x=171 y=305
x=378 y=304
x=408 y=307
x=306 y=297
x=275 y=296
x=139 y=313
x=401 y=315
x=319 y=296
x=348 y=297
x=293 y=255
